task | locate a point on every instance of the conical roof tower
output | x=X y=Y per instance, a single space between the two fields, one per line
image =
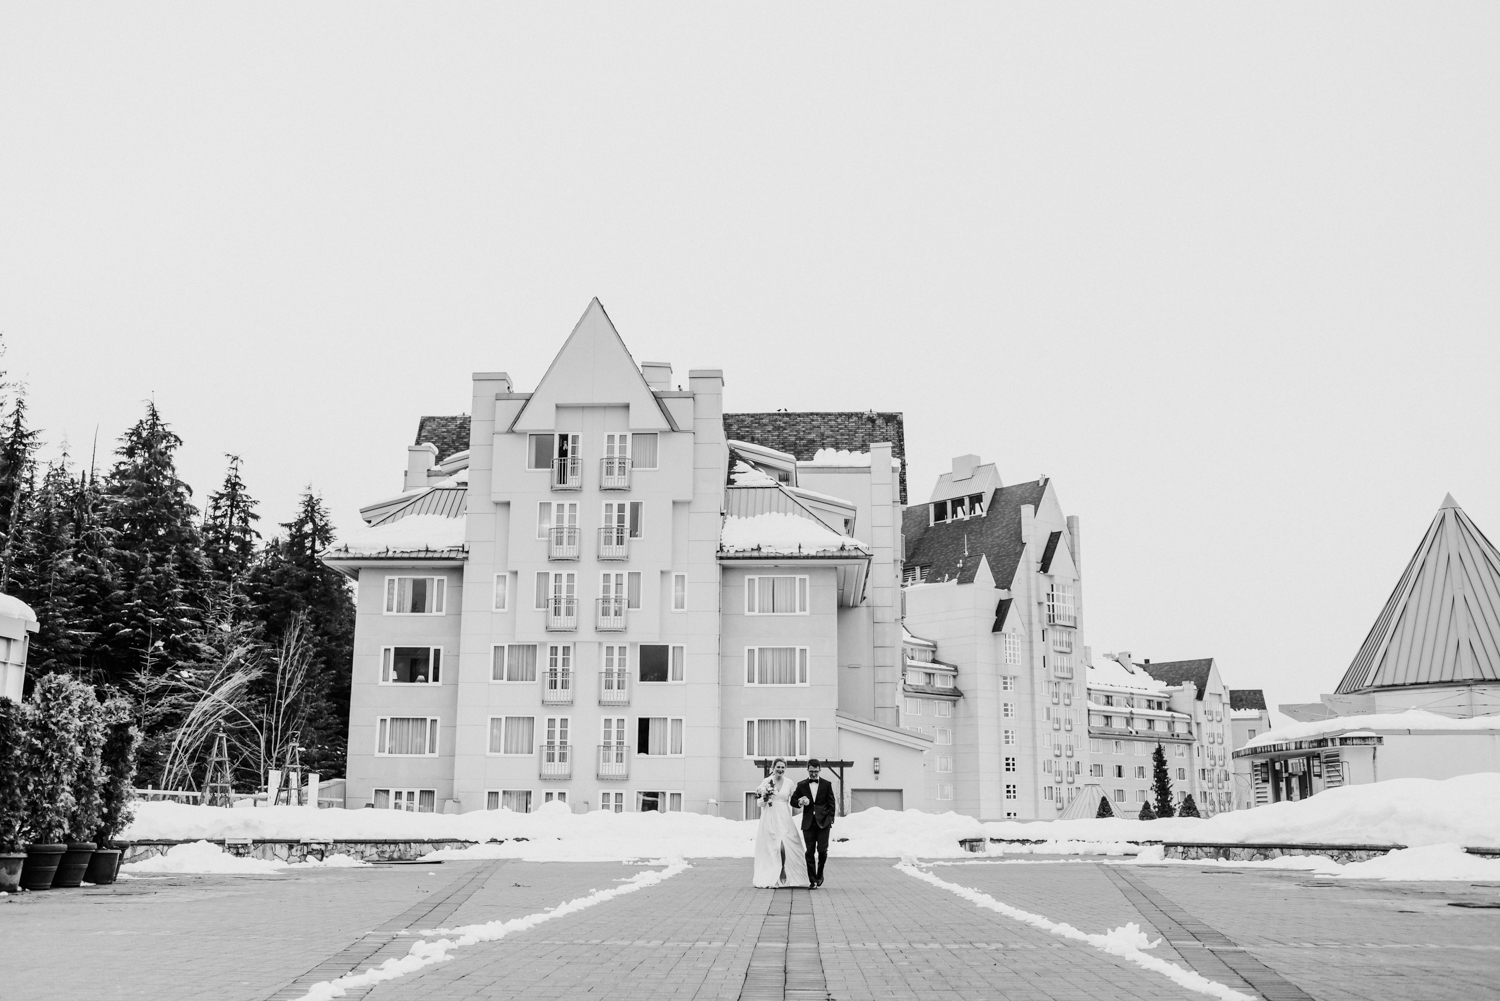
x=1441 y=626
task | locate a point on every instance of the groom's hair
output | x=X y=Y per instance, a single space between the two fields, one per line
x=814 y=763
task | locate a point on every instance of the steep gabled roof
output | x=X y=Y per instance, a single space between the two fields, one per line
x=1247 y=698
x=1180 y=672
x=802 y=434
x=996 y=535
x=449 y=434
x=1441 y=625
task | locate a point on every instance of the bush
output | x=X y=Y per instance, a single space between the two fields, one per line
x=88 y=775
x=1146 y=812
x=1188 y=807
x=50 y=758
x=1105 y=810
x=117 y=791
x=12 y=775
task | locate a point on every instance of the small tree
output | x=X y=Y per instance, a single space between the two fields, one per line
x=117 y=791
x=88 y=774
x=1146 y=812
x=12 y=777
x=1105 y=810
x=1161 y=782
x=50 y=758
x=1188 y=807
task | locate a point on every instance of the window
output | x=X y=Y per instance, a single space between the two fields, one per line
x=679 y=592
x=658 y=735
x=513 y=662
x=944 y=708
x=660 y=663
x=558 y=681
x=776 y=665
x=558 y=728
x=911 y=573
x=958 y=508
x=539 y=450
x=1012 y=648
x=1119 y=771
x=945 y=790
x=556 y=591
x=1008 y=710
x=406 y=735
x=514 y=800
x=1060 y=609
x=1182 y=774
x=616 y=668
x=561 y=515
x=769 y=738
x=775 y=595
x=943 y=735
x=945 y=681
x=560 y=795
x=512 y=734
x=1062 y=640
x=637 y=519
x=1010 y=791
x=502 y=592
x=1140 y=750
x=612 y=802
x=1097 y=771
x=945 y=762
x=643 y=450
x=1008 y=736
x=1007 y=682
x=410 y=800
x=614 y=731
x=1140 y=771
x=414 y=595
x=913 y=707
x=1119 y=795
x=1096 y=747
x=410 y=665
x=658 y=802
x=1046 y=792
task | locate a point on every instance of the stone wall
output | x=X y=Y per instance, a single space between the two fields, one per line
x=300 y=851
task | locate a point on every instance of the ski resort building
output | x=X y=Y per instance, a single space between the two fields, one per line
x=1248 y=718
x=609 y=593
x=1130 y=713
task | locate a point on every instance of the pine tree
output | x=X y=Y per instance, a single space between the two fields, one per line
x=1105 y=810
x=1161 y=782
x=47 y=573
x=18 y=444
x=1188 y=808
x=1146 y=812
x=229 y=535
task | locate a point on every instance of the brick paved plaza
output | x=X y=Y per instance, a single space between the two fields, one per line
x=872 y=932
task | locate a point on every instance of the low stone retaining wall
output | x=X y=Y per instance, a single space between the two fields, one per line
x=1342 y=854
x=982 y=844
x=299 y=851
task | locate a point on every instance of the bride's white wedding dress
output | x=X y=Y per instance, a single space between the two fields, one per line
x=778 y=833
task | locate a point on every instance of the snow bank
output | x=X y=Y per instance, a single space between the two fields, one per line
x=417 y=533
x=1427 y=862
x=1412 y=719
x=202 y=857
x=838 y=457
x=778 y=532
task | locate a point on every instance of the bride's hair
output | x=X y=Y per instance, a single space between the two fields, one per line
x=774 y=760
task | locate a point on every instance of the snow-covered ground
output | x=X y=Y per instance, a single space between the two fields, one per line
x=205 y=857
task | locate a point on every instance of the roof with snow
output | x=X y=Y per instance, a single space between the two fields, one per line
x=421 y=536
x=1112 y=673
x=804 y=434
x=779 y=533
x=1413 y=720
x=1247 y=698
x=449 y=434
x=1182 y=672
x=1441 y=625
x=996 y=535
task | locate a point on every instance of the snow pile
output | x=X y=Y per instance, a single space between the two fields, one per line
x=838 y=457
x=336 y=861
x=1412 y=719
x=417 y=533
x=202 y=857
x=746 y=475
x=1116 y=675
x=1427 y=862
x=780 y=533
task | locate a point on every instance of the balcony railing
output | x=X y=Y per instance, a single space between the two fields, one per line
x=614 y=542
x=613 y=690
x=562 y=543
x=609 y=615
x=562 y=615
x=567 y=474
x=614 y=473
x=556 y=761
x=614 y=761
x=557 y=686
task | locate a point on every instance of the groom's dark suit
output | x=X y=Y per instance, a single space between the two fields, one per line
x=817 y=820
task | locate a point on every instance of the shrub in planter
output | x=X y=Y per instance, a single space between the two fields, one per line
x=88 y=778
x=116 y=791
x=12 y=795
x=1188 y=807
x=49 y=758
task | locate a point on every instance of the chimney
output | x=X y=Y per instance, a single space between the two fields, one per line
x=1028 y=522
x=419 y=459
x=1077 y=543
x=963 y=466
x=658 y=374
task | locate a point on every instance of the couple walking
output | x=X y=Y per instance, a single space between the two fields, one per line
x=784 y=854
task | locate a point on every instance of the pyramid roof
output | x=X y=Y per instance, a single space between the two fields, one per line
x=1441 y=625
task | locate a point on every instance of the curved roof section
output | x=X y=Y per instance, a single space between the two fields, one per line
x=1441 y=625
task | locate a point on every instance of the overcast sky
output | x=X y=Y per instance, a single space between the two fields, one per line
x=1226 y=272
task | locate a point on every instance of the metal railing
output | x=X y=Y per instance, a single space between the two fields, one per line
x=562 y=615
x=614 y=542
x=609 y=615
x=614 y=761
x=567 y=474
x=555 y=761
x=557 y=686
x=614 y=473
x=613 y=688
x=562 y=543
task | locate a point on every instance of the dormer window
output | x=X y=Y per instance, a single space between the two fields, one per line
x=958 y=508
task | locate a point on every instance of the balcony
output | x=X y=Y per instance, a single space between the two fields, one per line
x=562 y=615
x=557 y=687
x=613 y=690
x=614 y=761
x=567 y=474
x=614 y=543
x=614 y=473
x=556 y=761
x=609 y=615
x=562 y=543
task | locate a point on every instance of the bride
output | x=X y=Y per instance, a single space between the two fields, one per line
x=779 y=854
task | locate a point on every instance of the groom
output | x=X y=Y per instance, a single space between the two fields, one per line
x=815 y=796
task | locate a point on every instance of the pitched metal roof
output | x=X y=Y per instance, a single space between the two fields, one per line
x=448 y=502
x=996 y=535
x=1180 y=672
x=449 y=434
x=1247 y=698
x=1441 y=625
x=802 y=434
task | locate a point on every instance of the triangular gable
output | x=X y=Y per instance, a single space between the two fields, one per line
x=1062 y=562
x=1441 y=625
x=594 y=368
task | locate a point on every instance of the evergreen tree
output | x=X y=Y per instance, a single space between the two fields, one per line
x=1146 y=812
x=1105 y=810
x=1161 y=782
x=1188 y=808
x=18 y=444
x=229 y=535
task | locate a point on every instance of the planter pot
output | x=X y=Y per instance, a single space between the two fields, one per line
x=10 y=871
x=41 y=866
x=104 y=866
x=75 y=862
